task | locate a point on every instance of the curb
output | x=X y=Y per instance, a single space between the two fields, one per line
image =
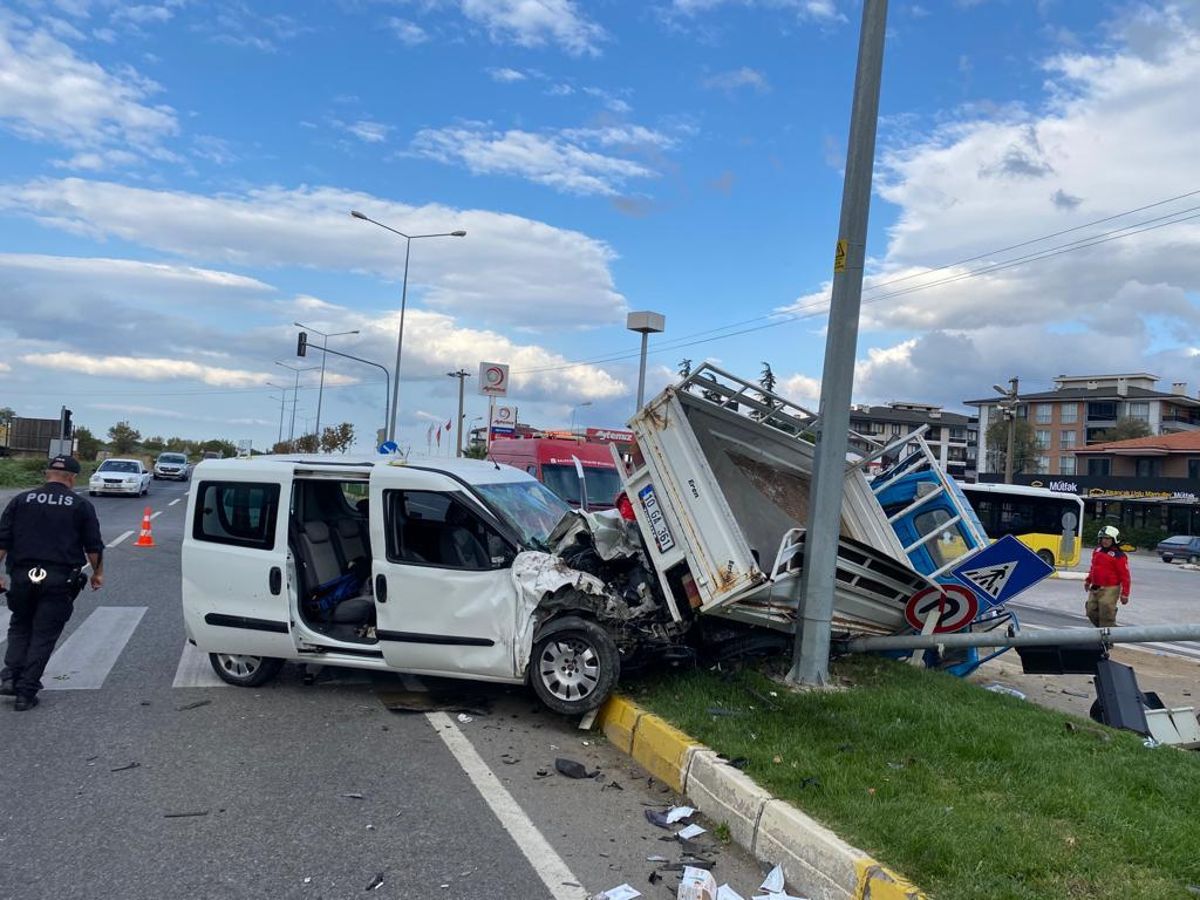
x=1069 y=575
x=815 y=860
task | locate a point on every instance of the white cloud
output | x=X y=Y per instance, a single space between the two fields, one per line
x=507 y=75
x=408 y=33
x=128 y=274
x=983 y=181
x=508 y=269
x=819 y=10
x=48 y=93
x=369 y=132
x=802 y=389
x=143 y=14
x=139 y=368
x=745 y=77
x=534 y=23
x=563 y=161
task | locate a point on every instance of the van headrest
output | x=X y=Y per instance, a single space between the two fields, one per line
x=317 y=532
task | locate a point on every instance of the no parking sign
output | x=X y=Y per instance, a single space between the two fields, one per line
x=959 y=607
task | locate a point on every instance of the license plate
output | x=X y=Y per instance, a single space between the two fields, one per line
x=658 y=522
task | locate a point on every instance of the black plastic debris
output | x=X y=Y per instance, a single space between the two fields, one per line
x=572 y=769
x=654 y=817
x=195 y=705
x=186 y=815
x=376 y=883
x=509 y=759
x=132 y=765
x=353 y=796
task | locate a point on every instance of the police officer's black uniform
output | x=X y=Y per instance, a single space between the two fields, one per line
x=46 y=532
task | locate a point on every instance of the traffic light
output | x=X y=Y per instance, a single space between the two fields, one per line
x=64 y=423
x=302 y=344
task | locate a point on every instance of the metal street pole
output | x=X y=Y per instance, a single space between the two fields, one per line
x=295 y=394
x=646 y=323
x=462 y=375
x=282 y=401
x=1012 y=430
x=324 y=345
x=641 y=400
x=810 y=663
x=408 y=239
x=580 y=406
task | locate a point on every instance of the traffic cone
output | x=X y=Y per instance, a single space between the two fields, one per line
x=145 y=539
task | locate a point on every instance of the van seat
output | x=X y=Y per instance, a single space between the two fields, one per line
x=319 y=553
x=351 y=534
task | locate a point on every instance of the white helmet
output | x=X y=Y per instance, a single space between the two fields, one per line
x=1110 y=531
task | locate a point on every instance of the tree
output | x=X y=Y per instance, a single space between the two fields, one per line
x=767 y=379
x=476 y=451
x=154 y=444
x=123 y=437
x=89 y=444
x=7 y=414
x=219 y=445
x=178 y=445
x=685 y=368
x=1025 y=446
x=1126 y=429
x=306 y=443
x=337 y=438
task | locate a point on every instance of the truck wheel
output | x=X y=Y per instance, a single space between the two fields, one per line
x=245 y=671
x=575 y=666
x=1192 y=560
x=1047 y=557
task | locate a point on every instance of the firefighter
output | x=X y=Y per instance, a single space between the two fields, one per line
x=46 y=533
x=1107 y=579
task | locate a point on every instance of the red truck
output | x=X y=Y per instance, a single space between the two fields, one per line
x=552 y=461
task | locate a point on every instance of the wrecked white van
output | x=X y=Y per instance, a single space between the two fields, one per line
x=437 y=567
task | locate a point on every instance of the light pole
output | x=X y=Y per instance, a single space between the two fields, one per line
x=408 y=239
x=646 y=324
x=324 y=343
x=295 y=395
x=282 y=401
x=462 y=375
x=1008 y=406
x=580 y=406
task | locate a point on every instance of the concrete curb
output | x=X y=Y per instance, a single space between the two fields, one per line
x=816 y=861
x=1070 y=576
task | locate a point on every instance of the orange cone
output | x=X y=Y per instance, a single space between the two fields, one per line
x=145 y=539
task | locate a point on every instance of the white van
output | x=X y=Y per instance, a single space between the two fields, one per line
x=436 y=567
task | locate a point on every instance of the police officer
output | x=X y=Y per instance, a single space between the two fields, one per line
x=45 y=533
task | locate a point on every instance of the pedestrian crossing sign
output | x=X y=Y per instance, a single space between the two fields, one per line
x=1000 y=571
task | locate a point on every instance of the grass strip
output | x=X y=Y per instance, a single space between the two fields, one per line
x=968 y=793
x=20 y=473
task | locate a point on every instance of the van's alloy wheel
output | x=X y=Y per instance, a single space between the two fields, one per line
x=575 y=665
x=245 y=671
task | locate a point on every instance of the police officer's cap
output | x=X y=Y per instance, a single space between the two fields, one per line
x=64 y=464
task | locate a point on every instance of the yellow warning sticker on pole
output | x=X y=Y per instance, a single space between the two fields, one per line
x=839 y=258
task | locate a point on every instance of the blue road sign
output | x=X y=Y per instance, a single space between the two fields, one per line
x=1000 y=571
x=389 y=447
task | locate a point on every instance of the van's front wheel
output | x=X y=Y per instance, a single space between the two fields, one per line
x=575 y=666
x=245 y=671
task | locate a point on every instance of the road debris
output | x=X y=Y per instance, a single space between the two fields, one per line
x=464 y=719
x=620 y=892
x=186 y=815
x=696 y=884
x=572 y=769
x=353 y=796
x=656 y=858
x=432 y=701
x=725 y=892
x=654 y=817
x=196 y=705
x=132 y=765
x=1007 y=691
x=774 y=882
x=690 y=833
x=509 y=759
x=376 y=883
x=679 y=813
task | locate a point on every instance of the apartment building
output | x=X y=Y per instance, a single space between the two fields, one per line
x=1081 y=408
x=953 y=437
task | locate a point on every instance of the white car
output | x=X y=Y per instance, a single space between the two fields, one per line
x=120 y=476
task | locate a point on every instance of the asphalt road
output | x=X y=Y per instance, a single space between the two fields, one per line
x=121 y=785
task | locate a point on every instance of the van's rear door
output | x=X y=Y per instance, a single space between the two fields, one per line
x=235 y=592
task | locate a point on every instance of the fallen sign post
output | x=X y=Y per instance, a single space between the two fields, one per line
x=1132 y=634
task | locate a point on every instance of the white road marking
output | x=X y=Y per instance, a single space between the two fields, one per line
x=87 y=656
x=549 y=866
x=173 y=502
x=156 y=515
x=195 y=671
x=118 y=539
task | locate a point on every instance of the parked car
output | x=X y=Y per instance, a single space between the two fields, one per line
x=120 y=476
x=1183 y=546
x=171 y=465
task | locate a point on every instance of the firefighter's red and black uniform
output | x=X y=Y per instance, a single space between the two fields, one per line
x=1107 y=582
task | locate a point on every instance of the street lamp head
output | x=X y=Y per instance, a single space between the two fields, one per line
x=358 y=215
x=458 y=234
x=999 y=390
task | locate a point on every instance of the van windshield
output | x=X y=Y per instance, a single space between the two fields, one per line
x=603 y=483
x=527 y=507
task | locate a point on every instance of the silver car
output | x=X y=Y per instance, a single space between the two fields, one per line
x=171 y=465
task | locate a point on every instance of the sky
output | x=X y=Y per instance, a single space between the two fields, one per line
x=178 y=179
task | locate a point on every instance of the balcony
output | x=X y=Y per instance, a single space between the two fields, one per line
x=1179 y=423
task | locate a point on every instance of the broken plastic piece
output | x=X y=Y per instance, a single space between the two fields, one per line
x=464 y=718
x=696 y=884
x=195 y=705
x=690 y=833
x=725 y=892
x=132 y=765
x=774 y=882
x=571 y=768
x=1001 y=689
x=353 y=796
x=376 y=883
x=654 y=817
x=678 y=813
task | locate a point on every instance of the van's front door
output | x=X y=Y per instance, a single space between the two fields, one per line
x=444 y=597
x=235 y=561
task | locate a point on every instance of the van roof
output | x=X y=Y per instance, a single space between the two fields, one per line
x=472 y=471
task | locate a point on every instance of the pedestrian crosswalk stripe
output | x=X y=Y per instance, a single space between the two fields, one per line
x=195 y=671
x=84 y=659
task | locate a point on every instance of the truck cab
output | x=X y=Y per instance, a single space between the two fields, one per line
x=558 y=462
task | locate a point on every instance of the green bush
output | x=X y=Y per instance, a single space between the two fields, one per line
x=1142 y=537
